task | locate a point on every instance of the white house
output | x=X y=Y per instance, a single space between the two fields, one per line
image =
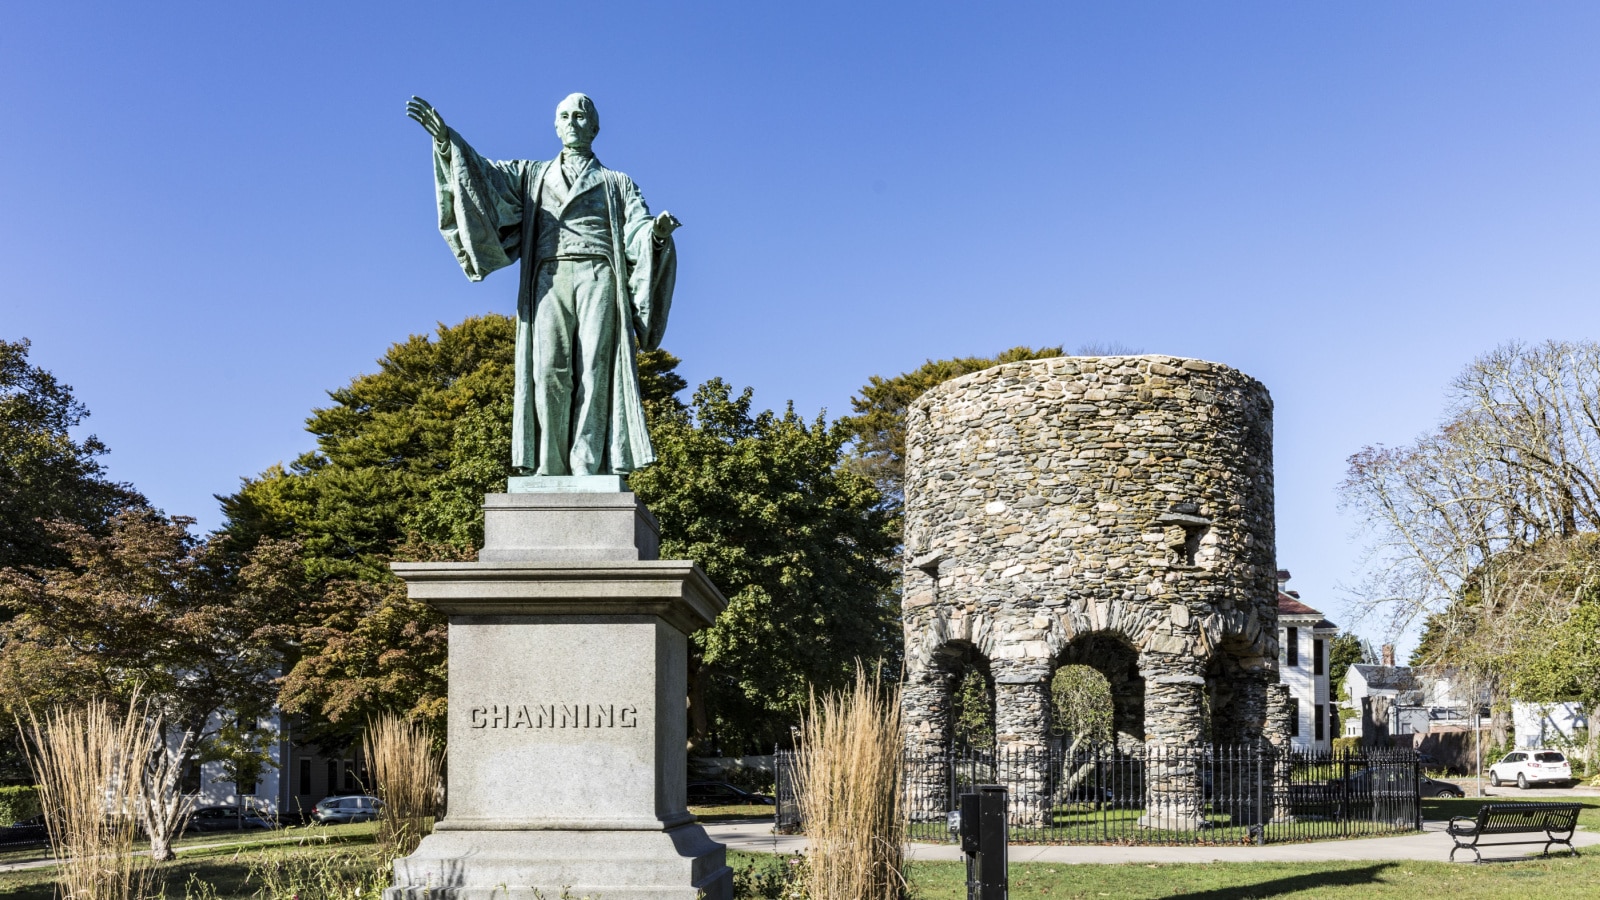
x=1548 y=724
x=1389 y=698
x=297 y=777
x=1305 y=639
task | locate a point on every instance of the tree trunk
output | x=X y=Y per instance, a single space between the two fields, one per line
x=162 y=808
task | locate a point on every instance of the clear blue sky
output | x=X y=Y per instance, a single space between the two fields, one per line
x=212 y=213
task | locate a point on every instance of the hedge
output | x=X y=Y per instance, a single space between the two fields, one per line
x=18 y=803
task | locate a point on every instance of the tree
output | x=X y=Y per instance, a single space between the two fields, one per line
x=46 y=475
x=1081 y=701
x=142 y=611
x=797 y=542
x=972 y=711
x=1345 y=651
x=405 y=455
x=144 y=616
x=1470 y=524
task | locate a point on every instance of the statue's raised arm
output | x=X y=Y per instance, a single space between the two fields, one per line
x=425 y=115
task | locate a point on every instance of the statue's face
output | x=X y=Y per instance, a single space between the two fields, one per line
x=576 y=123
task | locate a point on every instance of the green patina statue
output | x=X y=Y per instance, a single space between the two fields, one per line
x=597 y=279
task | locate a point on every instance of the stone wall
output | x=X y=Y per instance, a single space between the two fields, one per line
x=1057 y=505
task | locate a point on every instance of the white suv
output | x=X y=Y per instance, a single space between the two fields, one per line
x=1527 y=767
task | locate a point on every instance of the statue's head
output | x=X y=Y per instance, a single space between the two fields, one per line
x=577 y=121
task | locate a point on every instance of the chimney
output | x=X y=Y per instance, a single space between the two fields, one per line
x=1388 y=655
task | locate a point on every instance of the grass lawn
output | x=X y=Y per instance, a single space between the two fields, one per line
x=733 y=813
x=345 y=855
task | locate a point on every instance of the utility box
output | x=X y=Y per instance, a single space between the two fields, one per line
x=982 y=830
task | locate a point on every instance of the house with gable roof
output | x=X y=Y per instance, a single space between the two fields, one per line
x=1305 y=638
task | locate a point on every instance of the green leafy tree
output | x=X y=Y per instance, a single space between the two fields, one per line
x=972 y=711
x=1081 y=702
x=794 y=539
x=1345 y=651
x=45 y=474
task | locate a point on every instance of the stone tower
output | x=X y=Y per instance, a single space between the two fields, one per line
x=1114 y=512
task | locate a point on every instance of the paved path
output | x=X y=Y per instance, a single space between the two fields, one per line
x=757 y=837
x=1431 y=844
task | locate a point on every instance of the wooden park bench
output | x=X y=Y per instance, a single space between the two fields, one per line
x=1556 y=821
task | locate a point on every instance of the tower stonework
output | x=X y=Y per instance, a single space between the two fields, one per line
x=1115 y=512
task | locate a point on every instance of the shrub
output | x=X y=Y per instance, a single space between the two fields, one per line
x=89 y=762
x=849 y=771
x=1346 y=746
x=18 y=803
x=406 y=770
x=771 y=877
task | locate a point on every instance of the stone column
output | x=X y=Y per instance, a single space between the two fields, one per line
x=568 y=655
x=1022 y=737
x=1243 y=785
x=1277 y=735
x=925 y=706
x=1174 y=723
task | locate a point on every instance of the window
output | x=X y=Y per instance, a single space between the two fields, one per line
x=333 y=775
x=1317 y=719
x=1316 y=655
x=1291 y=644
x=1549 y=757
x=349 y=776
x=305 y=776
x=1294 y=714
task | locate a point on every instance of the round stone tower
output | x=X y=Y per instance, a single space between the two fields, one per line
x=1114 y=512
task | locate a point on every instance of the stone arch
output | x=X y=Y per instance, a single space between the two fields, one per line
x=1237 y=674
x=929 y=693
x=1112 y=655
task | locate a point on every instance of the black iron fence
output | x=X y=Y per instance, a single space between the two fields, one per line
x=1205 y=794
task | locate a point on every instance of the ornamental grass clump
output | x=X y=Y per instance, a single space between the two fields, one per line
x=89 y=763
x=849 y=774
x=406 y=772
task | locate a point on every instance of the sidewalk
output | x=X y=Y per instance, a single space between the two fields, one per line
x=1432 y=844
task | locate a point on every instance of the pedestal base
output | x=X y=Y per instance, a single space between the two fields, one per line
x=678 y=864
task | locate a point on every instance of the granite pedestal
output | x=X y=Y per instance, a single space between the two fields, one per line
x=568 y=671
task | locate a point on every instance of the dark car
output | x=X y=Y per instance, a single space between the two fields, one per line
x=1396 y=780
x=226 y=818
x=342 y=810
x=26 y=833
x=720 y=793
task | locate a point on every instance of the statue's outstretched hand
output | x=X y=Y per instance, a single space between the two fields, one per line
x=665 y=225
x=428 y=117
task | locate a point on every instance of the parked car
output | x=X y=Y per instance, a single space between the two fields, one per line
x=342 y=810
x=720 y=793
x=1528 y=767
x=226 y=818
x=26 y=833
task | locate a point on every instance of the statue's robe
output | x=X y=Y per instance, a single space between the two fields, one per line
x=493 y=213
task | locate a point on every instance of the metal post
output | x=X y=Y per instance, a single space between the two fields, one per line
x=983 y=840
